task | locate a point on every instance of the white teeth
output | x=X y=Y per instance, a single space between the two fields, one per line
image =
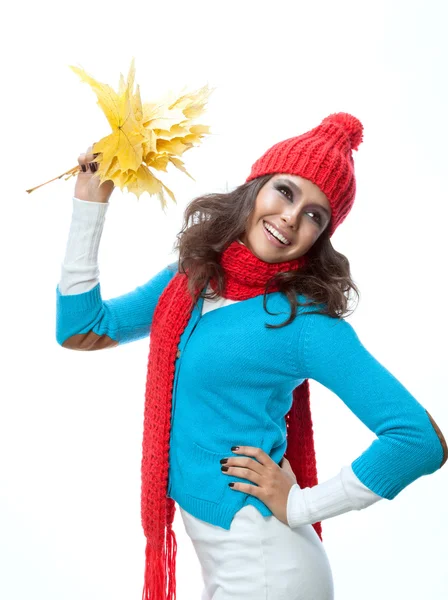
x=275 y=233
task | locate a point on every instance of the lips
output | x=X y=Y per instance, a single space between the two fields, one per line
x=280 y=230
x=273 y=240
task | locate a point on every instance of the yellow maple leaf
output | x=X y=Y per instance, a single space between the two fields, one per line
x=144 y=136
x=123 y=110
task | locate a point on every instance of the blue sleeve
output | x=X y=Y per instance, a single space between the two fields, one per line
x=122 y=319
x=407 y=445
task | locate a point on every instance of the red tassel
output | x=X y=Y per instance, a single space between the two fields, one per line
x=171 y=560
x=153 y=587
x=160 y=571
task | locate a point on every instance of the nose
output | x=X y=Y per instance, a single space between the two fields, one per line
x=292 y=217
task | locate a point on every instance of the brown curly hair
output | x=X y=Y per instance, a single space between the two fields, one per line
x=211 y=222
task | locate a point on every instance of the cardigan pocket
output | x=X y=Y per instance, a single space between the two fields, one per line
x=206 y=480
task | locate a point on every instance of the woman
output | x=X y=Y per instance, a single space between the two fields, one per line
x=225 y=386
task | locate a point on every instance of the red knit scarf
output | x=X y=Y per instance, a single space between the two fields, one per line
x=245 y=276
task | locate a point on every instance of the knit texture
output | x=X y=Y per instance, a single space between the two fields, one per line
x=324 y=156
x=233 y=385
x=246 y=276
x=408 y=446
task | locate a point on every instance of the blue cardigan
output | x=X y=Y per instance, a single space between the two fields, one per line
x=233 y=385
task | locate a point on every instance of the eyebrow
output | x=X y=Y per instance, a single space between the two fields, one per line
x=299 y=192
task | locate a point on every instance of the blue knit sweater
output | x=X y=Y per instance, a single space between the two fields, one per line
x=242 y=374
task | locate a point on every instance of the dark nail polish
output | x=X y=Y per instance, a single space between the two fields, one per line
x=83 y=168
x=231 y=484
x=224 y=468
x=223 y=460
x=234 y=448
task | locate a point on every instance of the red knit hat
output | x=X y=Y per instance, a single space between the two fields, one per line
x=324 y=156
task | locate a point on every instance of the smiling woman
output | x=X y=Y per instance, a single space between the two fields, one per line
x=262 y=214
x=233 y=379
x=291 y=213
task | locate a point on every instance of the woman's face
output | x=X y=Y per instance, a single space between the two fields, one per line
x=296 y=208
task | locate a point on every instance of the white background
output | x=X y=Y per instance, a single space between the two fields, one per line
x=71 y=422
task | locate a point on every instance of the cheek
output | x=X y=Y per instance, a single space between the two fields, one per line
x=314 y=237
x=308 y=234
x=267 y=203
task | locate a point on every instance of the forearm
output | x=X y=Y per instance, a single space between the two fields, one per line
x=338 y=495
x=407 y=446
x=79 y=270
x=84 y=321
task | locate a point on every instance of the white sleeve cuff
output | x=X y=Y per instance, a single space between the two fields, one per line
x=79 y=270
x=341 y=494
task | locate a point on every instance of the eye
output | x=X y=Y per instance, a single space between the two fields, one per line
x=316 y=217
x=281 y=187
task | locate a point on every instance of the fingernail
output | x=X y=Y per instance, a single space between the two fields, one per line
x=231 y=484
x=233 y=448
x=83 y=168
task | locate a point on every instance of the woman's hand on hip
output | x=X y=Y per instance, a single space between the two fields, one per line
x=272 y=482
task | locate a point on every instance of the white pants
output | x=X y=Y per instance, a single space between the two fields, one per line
x=260 y=558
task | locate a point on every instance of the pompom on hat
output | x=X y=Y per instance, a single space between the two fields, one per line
x=322 y=155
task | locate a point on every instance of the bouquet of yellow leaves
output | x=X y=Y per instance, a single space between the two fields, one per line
x=144 y=136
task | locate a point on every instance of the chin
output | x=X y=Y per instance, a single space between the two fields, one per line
x=264 y=253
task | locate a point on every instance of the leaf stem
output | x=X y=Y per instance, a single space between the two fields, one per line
x=70 y=173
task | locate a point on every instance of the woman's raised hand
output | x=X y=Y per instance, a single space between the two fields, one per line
x=87 y=186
